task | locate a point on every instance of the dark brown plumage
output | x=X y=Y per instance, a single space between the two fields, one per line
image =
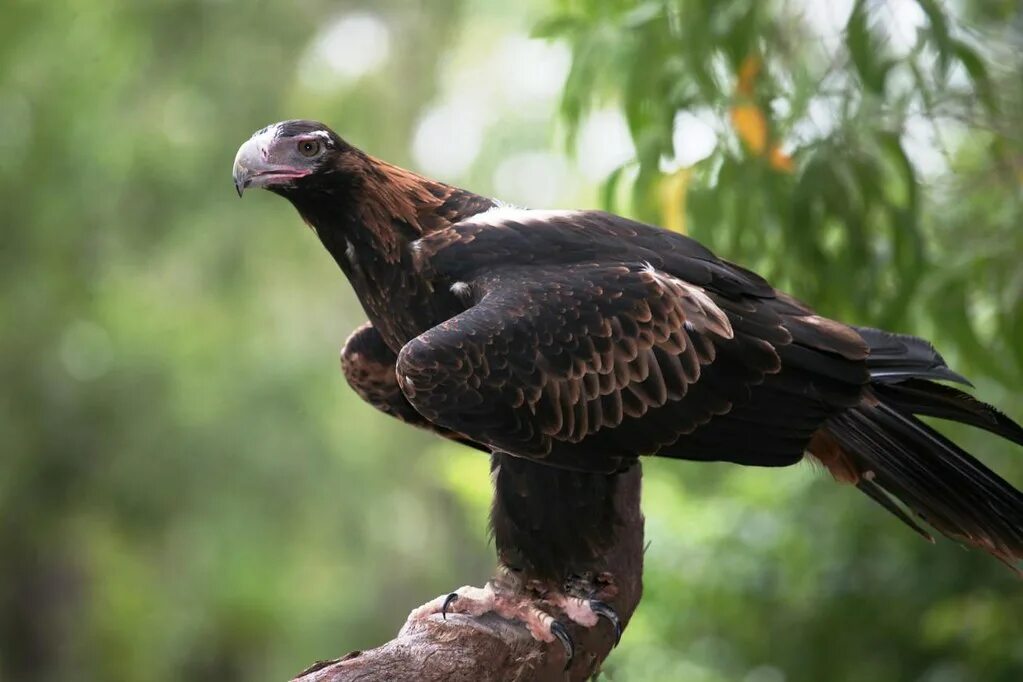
x=568 y=343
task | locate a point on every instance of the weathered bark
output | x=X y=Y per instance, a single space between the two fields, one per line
x=488 y=647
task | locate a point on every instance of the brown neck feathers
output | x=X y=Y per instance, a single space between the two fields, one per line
x=397 y=204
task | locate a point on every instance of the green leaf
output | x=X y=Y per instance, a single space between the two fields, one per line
x=609 y=190
x=939 y=32
x=866 y=51
x=975 y=66
x=556 y=26
x=642 y=14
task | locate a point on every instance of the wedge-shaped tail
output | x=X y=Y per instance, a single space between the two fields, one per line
x=908 y=467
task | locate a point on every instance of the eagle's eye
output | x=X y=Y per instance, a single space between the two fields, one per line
x=309 y=147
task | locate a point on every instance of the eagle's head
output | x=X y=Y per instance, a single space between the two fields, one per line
x=289 y=157
x=346 y=195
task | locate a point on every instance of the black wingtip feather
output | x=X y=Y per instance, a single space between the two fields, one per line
x=885 y=375
x=895 y=357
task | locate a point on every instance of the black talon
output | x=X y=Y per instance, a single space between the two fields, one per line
x=559 y=631
x=447 y=602
x=605 y=611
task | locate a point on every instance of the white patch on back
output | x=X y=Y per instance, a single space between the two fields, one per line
x=501 y=214
x=461 y=290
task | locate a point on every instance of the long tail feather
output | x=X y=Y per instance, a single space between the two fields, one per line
x=908 y=467
x=945 y=402
x=952 y=491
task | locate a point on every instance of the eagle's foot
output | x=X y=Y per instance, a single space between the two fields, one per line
x=585 y=595
x=530 y=604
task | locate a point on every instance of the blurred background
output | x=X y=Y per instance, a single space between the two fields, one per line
x=190 y=491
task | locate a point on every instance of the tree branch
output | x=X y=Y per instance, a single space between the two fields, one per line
x=488 y=647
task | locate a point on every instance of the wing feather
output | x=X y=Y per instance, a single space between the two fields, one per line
x=589 y=330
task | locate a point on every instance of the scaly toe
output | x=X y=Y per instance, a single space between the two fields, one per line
x=587 y=612
x=578 y=610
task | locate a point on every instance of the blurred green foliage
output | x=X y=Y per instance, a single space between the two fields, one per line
x=189 y=491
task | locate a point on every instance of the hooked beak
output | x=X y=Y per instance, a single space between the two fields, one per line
x=253 y=168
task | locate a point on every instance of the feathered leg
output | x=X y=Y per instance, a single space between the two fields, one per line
x=552 y=528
